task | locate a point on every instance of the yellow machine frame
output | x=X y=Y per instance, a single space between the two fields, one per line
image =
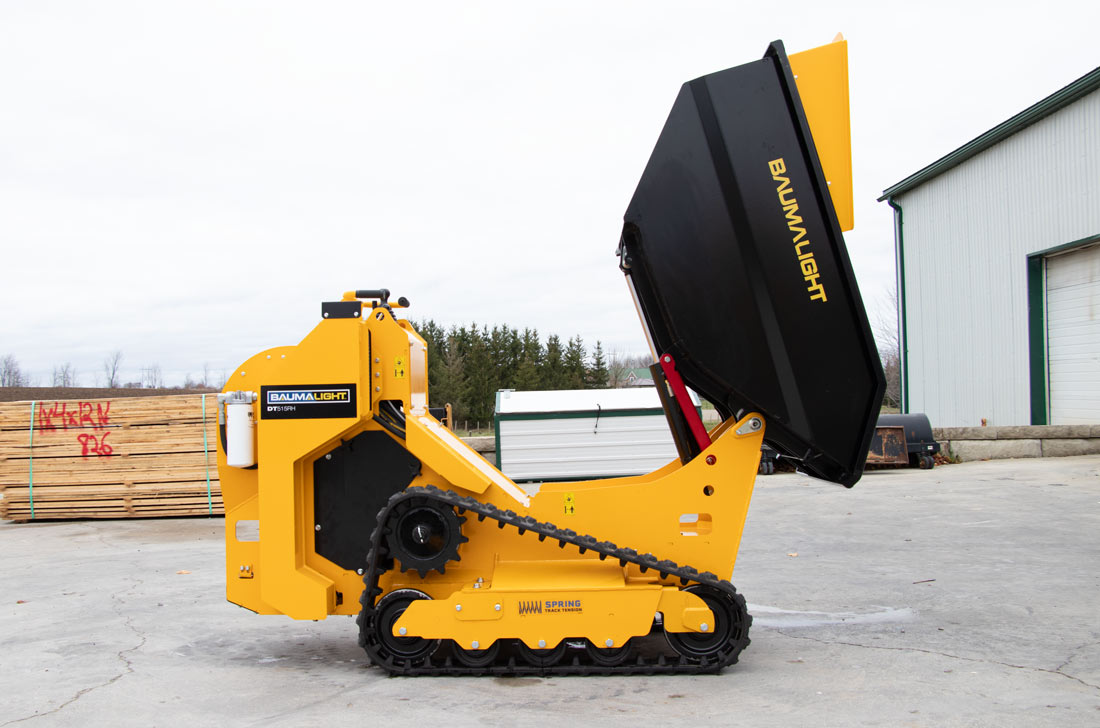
x=691 y=514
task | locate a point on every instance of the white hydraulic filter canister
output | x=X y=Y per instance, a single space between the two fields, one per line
x=239 y=421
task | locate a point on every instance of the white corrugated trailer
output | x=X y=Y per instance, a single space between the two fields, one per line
x=581 y=433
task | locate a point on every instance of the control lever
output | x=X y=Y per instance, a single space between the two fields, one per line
x=382 y=294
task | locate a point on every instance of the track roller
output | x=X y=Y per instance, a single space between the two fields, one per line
x=474 y=657
x=544 y=657
x=608 y=656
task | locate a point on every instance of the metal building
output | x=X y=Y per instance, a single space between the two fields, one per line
x=998 y=254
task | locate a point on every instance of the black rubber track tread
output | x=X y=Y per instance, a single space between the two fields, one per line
x=376 y=566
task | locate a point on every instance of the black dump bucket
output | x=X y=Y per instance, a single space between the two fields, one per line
x=740 y=272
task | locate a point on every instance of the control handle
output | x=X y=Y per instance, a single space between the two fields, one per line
x=383 y=294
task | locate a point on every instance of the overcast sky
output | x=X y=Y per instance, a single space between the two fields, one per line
x=186 y=182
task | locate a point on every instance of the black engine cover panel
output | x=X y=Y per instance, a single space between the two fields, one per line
x=351 y=484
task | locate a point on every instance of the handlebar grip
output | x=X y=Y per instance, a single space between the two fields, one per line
x=380 y=293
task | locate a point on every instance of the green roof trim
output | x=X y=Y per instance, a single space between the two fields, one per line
x=1066 y=96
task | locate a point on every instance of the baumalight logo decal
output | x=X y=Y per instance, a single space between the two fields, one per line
x=308 y=401
x=806 y=260
x=308 y=396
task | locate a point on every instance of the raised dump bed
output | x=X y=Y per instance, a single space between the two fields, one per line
x=738 y=266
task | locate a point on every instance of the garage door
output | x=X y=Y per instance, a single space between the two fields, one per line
x=1073 y=336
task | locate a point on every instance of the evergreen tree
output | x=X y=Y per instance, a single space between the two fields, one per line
x=527 y=376
x=532 y=347
x=480 y=379
x=461 y=338
x=501 y=365
x=435 y=339
x=452 y=386
x=467 y=365
x=597 y=375
x=552 y=371
x=573 y=369
x=514 y=357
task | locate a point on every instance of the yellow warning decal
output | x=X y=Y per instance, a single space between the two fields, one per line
x=570 y=504
x=399 y=367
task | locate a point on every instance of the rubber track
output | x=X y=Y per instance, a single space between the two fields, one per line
x=378 y=563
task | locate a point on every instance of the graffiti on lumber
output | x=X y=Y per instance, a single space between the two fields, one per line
x=93 y=419
x=84 y=416
x=94 y=446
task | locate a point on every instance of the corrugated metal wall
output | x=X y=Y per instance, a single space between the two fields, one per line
x=967 y=235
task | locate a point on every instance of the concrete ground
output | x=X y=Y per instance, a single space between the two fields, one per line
x=967 y=595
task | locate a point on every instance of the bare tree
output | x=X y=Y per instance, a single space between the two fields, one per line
x=885 y=329
x=11 y=375
x=204 y=383
x=209 y=379
x=151 y=377
x=111 y=366
x=619 y=366
x=617 y=369
x=64 y=375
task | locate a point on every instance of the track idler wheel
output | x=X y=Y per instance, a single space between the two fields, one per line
x=476 y=657
x=729 y=633
x=401 y=648
x=423 y=535
x=543 y=657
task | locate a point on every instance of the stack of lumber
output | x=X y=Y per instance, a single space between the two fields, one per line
x=109 y=458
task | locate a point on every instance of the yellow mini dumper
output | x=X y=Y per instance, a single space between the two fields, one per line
x=344 y=495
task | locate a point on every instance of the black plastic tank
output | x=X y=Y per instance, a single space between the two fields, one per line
x=739 y=269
